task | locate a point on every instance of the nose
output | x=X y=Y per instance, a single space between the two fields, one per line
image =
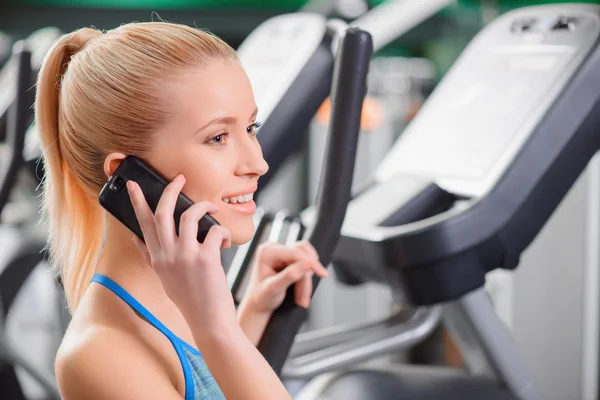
x=251 y=161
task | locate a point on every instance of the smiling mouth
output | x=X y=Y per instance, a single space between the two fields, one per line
x=242 y=204
x=242 y=199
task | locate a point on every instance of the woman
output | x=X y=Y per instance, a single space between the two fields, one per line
x=155 y=319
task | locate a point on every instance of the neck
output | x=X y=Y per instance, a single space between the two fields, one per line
x=122 y=262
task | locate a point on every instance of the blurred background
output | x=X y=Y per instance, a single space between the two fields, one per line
x=548 y=325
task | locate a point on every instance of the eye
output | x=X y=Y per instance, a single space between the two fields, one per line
x=219 y=139
x=252 y=128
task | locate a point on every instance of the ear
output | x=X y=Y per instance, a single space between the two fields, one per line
x=112 y=162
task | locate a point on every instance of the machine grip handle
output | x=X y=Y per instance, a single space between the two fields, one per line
x=16 y=123
x=347 y=96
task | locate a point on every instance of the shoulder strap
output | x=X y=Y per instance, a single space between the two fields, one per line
x=178 y=344
x=133 y=303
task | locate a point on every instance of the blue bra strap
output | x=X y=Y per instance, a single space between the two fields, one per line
x=133 y=303
x=143 y=311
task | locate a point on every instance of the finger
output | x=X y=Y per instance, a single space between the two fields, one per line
x=307 y=248
x=320 y=270
x=217 y=237
x=279 y=283
x=189 y=222
x=165 y=211
x=144 y=216
x=277 y=256
x=142 y=248
x=303 y=290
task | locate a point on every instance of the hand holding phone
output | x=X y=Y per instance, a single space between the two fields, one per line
x=115 y=199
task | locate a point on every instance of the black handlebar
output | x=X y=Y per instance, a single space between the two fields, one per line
x=17 y=118
x=284 y=131
x=348 y=93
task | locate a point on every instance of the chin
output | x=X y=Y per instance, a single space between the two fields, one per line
x=242 y=232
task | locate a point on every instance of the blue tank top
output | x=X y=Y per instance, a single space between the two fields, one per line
x=199 y=382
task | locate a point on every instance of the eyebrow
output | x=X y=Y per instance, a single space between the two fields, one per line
x=223 y=120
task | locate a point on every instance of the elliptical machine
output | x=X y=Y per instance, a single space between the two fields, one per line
x=464 y=191
x=291 y=78
x=292 y=75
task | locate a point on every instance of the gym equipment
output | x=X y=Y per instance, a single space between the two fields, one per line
x=5 y=45
x=351 y=66
x=300 y=84
x=19 y=256
x=291 y=76
x=23 y=238
x=41 y=41
x=346 y=9
x=294 y=72
x=397 y=86
x=464 y=191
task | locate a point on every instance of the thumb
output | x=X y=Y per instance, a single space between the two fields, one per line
x=142 y=248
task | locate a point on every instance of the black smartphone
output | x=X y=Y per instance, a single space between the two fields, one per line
x=115 y=198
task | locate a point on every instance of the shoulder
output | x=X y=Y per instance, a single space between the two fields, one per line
x=104 y=362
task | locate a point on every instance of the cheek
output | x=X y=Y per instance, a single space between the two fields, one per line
x=204 y=182
x=207 y=176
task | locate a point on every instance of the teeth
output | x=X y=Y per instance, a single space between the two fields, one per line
x=239 y=199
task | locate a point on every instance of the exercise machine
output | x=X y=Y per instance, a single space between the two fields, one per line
x=464 y=191
x=41 y=41
x=20 y=255
x=23 y=261
x=289 y=60
x=5 y=45
x=291 y=78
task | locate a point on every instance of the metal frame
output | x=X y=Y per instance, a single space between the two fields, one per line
x=487 y=345
x=590 y=354
x=341 y=347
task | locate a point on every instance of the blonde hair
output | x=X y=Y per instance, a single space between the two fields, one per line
x=96 y=94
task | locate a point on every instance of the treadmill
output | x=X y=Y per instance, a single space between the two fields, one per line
x=464 y=191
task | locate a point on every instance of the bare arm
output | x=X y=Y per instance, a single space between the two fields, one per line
x=253 y=323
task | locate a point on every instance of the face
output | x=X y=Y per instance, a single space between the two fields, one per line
x=211 y=140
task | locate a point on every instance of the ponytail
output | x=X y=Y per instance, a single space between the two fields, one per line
x=76 y=221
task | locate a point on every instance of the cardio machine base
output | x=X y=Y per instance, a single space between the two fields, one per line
x=404 y=382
